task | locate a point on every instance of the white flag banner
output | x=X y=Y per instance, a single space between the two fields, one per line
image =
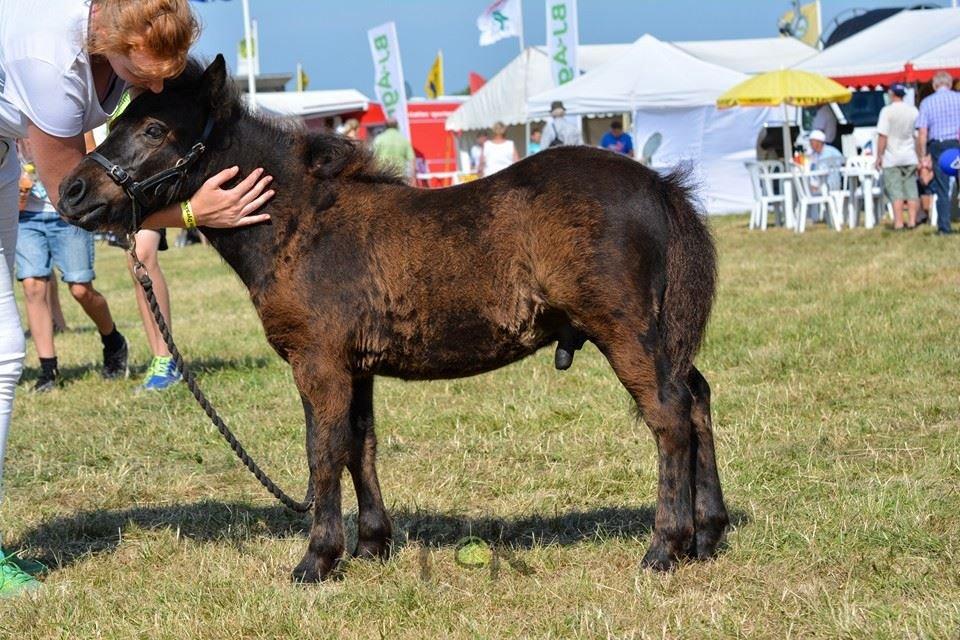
x=502 y=19
x=562 y=40
x=388 y=74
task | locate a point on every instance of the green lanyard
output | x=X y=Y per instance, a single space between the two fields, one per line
x=121 y=106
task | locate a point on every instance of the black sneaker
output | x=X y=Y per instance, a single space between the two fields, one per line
x=48 y=381
x=115 y=362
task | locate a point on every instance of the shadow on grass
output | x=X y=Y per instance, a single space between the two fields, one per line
x=64 y=540
x=201 y=366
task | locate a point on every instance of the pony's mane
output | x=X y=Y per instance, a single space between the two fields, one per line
x=324 y=155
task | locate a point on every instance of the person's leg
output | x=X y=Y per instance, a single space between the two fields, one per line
x=911 y=195
x=38 y=315
x=913 y=206
x=34 y=268
x=94 y=305
x=941 y=187
x=162 y=373
x=12 y=343
x=148 y=244
x=898 y=214
x=56 y=311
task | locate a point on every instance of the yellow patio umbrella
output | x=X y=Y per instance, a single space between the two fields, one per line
x=785 y=87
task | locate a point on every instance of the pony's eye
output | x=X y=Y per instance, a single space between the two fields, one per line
x=154 y=131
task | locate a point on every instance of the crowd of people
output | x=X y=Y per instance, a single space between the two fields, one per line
x=492 y=153
x=910 y=142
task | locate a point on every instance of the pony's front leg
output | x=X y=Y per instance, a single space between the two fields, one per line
x=326 y=400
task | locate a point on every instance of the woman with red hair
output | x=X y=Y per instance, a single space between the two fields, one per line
x=64 y=65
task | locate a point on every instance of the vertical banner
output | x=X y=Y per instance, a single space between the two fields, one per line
x=562 y=40
x=388 y=74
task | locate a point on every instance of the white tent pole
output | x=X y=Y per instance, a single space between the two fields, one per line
x=248 y=37
x=526 y=118
x=787 y=147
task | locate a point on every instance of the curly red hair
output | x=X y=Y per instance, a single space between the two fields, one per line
x=164 y=28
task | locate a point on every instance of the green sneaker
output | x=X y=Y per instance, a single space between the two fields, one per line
x=13 y=579
x=161 y=375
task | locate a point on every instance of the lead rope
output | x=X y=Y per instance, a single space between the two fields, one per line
x=140 y=273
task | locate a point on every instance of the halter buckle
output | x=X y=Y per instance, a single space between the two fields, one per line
x=119 y=174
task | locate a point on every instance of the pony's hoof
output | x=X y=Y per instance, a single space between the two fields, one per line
x=707 y=541
x=315 y=568
x=372 y=550
x=657 y=559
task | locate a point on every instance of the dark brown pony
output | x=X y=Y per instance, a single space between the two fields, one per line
x=359 y=275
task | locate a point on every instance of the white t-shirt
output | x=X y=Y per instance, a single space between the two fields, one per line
x=45 y=73
x=497 y=156
x=898 y=122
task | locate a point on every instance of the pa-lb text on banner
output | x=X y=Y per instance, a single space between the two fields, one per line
x=388 y=74
x=562 y=40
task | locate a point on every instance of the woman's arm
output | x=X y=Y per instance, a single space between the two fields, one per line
x=54 y=158
x=212 y=206
x=220 y=208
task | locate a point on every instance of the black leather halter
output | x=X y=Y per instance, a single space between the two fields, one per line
x=137 y=190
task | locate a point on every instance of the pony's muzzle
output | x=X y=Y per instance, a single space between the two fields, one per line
x=74 y=193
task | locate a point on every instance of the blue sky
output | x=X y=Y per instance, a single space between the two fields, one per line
x=329 y=36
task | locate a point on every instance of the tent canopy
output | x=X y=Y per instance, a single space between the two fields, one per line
x=312 y=104
x=890 y=50
x=750 y=55
x=650 y=74
x=504 y=97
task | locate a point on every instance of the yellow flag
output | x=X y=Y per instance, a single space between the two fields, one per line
x=302 y=79
x=434 y=85
x=806 y=26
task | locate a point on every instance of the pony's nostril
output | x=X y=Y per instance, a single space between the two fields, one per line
x=75 y=192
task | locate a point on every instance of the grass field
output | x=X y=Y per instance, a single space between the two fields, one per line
x=833 y=360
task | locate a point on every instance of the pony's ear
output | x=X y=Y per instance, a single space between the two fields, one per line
x=214 y=82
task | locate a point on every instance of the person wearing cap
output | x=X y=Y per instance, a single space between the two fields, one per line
x=821 y=153
x=826 y=120
x=616 y=140
x=897 y=155
x=559 y=129
x=937 y=126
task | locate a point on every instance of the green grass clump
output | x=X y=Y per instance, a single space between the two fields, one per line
x=833 y=363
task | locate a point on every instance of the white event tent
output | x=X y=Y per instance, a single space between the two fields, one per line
x=504 y=97
x=312 y=104
x=750 y=55
x=906 y=47
x=672 y=93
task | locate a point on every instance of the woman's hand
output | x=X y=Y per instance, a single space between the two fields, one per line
x=221 y=208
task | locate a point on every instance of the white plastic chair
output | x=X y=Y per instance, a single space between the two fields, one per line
x=864 y=166
x=813 y=190
x=764 y=193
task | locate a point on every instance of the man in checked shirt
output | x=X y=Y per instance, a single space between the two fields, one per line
x=938 y=127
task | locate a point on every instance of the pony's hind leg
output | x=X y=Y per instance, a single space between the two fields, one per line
x=373 y=523
x=326 y=401
x=709 y=513
x=664 y=404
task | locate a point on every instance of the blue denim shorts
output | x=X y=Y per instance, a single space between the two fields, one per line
x=45 y=241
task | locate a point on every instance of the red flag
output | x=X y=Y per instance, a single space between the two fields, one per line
x=476 y=81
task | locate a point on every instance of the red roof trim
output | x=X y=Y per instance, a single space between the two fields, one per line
x=907 y=74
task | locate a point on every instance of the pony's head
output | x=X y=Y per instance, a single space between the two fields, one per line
x=153 y=135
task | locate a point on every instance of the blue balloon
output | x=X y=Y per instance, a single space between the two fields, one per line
x=950 y=161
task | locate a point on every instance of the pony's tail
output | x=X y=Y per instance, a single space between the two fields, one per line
x=691 y=275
